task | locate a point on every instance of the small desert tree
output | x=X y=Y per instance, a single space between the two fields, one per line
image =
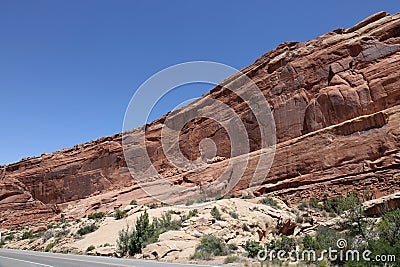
x=132 y=241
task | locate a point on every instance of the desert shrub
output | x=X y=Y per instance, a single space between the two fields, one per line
x=269 y=201
x=90 y=248
x=299 y=219
x=165 y=223
x=189 y=202
x=302 y=206
x=133 y=202
x=125 y=238
x=132 y=241
x=357 y=224
x=246 y=228
x=210 y=246
x=153 y=206
x=219 y=197
x=119 y=214
x=49 y=247
x=388 y=230
x=201 y=255
x=87 y=229
x=215 y=213
x=201 y=199
x=63 y=232
x=315 y=204
x=309 y=243
x=326 y=237
x=193 y=213
x=389 y=227
x=47 y=235
x=340 y=204
x=10 y=237
x=247 y=197
x=234 y=215
x=284 y=243
x=27 y=235
x=96 y=215
x=233 y=247
x=231 y=259
x=252 y=248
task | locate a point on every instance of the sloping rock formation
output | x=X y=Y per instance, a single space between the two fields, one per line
x=335 y=100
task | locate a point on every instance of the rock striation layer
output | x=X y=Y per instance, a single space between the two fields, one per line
x=336 y=105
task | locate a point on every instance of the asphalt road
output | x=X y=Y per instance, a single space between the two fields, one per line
x=23 y=258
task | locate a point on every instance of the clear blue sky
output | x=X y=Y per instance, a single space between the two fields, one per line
x=69 y=68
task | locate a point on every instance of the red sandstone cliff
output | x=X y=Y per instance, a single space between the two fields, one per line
x=336 y=105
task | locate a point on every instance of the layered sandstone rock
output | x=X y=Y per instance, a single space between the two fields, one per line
x=335 y=100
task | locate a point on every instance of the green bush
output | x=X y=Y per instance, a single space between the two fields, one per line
x=302 y=206
x=189 y=202
x=210 y=246
x=233 y=247
x=153 y=206
x=326 y=237
x=193 y=213
x=284 y=243
x=27 y=235
x=341 y=204
x=119 y=214
x=234 y=215
x=215 y=213
x=246 y=228
x=132 y=241
x=389 y=236
x=49 y=247
x=87 y=229
x=389 y=227
x=247 y=197
x=219 y=197
x=201 y=199
x=231 y=259
x=252 y=248
x=269 y=201
x=315 y=204
x=299 y=219
x=201 y=255
x=309 y=243
x=10 y=237
x=90 y=248
x=362 y=233
x=165 y=223
x=96 y=215
x=133 y=202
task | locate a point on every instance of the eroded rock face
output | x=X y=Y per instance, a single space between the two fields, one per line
x=377 y=207
x=33 y=189
x=335 y=100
